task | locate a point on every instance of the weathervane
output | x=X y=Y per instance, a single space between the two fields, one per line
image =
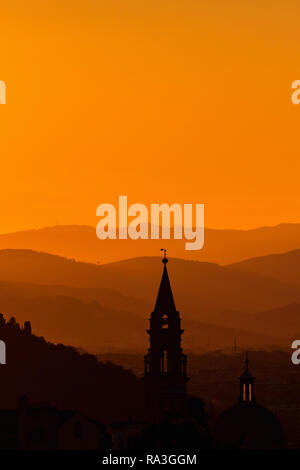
x=165 y=259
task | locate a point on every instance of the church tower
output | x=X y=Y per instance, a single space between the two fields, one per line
x=247 y=385
x=165 y=374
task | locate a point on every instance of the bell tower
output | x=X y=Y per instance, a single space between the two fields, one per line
x=165 y=373
x=247 y=385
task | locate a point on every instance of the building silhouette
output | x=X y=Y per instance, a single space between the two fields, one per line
x=165 y=374
x=172 y=420
x=42 y=426
x=247 y=424
x=247 y=384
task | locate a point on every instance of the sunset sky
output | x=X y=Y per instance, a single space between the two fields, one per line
x=161 y=100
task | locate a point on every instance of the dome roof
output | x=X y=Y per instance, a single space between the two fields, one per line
x=250 y=426
x=246 y=375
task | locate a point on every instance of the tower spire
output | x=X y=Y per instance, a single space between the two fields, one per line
x=165 y=300
x=247 y=384
x=165 y=364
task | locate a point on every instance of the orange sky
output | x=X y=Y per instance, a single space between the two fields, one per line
x=162 y=100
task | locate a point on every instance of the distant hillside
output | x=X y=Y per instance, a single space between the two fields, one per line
x=89 y=326
x=106 y=298
x=107 y=307
x=83 y=325
x=200 y=289
x=284 y=321
x=63 y=377
x=284 y=266
x=199 y=337
x=221 y=246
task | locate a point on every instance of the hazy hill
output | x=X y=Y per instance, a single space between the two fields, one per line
x=106 y=298
x=87 y=312
x=221 y=246
x=283 y=321
x=200 y=289
x=89 y=325
x=199 y=337
x=65 y=378
x=284 y=266
x=84 y=325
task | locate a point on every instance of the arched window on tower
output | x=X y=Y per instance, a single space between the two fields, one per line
x=164 y=362
x=247 y=392
x=165 y=321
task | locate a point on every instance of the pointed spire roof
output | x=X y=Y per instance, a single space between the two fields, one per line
x=246 y=374
x=165 y=301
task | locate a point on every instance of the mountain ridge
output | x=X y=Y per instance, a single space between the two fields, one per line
x=281 y=266
x=222 y=246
